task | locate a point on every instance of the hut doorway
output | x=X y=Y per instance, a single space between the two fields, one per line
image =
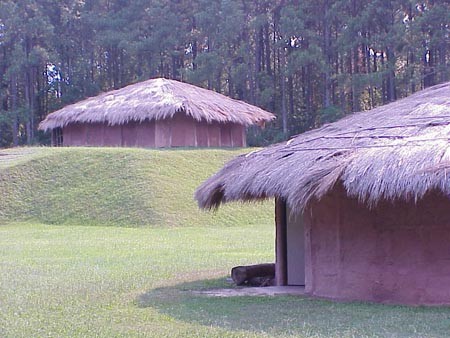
x=289 y=246
x=295 y=248
x=57 y=137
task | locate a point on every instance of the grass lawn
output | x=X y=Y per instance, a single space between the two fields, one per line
x=77 y=281
x=109 y=243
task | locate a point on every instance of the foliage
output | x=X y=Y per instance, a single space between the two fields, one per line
x=294 y=58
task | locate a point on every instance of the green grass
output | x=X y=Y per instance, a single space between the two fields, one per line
x=131 y=272
x=77 y=281
x=115 y=186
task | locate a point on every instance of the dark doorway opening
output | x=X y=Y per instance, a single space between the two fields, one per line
x=57 y=137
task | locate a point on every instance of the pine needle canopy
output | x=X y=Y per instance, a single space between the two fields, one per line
x=397 y=151
x=157 y=99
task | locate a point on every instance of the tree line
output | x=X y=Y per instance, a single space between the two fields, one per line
x=308 y=61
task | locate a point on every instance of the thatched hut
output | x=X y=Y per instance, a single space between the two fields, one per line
x=155 y=113
x=362 y=204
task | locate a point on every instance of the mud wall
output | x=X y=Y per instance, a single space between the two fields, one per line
x=180 y=131
x=395 y=253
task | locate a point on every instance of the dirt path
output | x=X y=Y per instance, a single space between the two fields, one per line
x=11 y=156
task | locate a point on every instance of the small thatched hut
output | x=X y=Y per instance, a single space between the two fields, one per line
x=362 y=204
x=155 y=113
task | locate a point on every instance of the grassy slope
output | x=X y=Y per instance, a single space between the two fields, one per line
x=131 y=187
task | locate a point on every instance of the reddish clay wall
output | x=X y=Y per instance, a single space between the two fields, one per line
x=238 y=136
x=181 y=131
x=74 y=135
x=112 y=136
x=163 y=137
x=396 y=253
x=225 y=136
x=214 y=135
x=94 y=134
x=129 y=136
x=145 y=134
x=201 y=131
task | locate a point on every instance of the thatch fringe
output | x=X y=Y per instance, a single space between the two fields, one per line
x=157 y=99
x=397 y=151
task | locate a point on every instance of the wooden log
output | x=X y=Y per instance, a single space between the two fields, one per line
x=262 y=281
x=242 y=275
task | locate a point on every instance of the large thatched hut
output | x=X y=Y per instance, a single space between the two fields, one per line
x=362 y=204
x=155 y=113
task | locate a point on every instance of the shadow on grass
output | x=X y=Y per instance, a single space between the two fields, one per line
x=295 y=315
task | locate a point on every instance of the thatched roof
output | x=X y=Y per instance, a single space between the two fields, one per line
x=157 y=99
x=397 y=151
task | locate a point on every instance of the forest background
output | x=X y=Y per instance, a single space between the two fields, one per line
x=309 y=61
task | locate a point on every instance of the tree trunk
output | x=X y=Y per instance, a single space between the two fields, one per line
x=391 y=75
x=326 y=47
x=267 y=53
x=284 y=113
x=14 y=106
x=194 y=44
